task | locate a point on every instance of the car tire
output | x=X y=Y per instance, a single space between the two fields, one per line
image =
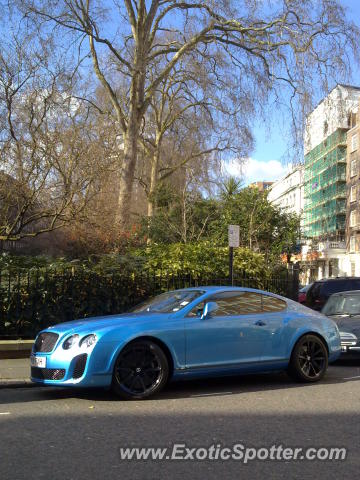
x=140 y=371
x=309 y=359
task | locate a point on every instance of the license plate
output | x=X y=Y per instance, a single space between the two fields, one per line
x=39 y=362
x=344 y=348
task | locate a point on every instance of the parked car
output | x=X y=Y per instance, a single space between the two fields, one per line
x=321 y=290
x=195 y=332
x=302 y=293
x=344 y=309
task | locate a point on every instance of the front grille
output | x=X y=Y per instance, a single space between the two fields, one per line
x=45 y=342
x=48 y=373
x=80 y=364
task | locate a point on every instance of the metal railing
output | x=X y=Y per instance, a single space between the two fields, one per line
x=34 y=299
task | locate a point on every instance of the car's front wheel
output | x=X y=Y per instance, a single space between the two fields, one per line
x=140 y=371
x=309 y=359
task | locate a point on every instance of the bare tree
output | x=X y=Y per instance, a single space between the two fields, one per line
x=49 y=157
x=191 y=107
x=279 y=46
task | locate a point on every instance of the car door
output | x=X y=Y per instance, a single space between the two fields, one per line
x=276 y=331
x=232 y=335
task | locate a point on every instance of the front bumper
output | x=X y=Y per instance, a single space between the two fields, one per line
x=75 y=370
x=348 y=350
x=350 y=344
x=67 y=368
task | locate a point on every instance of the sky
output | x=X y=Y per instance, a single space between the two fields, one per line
x=268 y=161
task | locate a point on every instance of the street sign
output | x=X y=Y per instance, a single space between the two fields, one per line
x=234 y=241
x=234 y=235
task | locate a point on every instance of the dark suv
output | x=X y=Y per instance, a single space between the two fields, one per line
x=321 y=290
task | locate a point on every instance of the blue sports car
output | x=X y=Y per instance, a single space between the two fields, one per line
x=194 y=332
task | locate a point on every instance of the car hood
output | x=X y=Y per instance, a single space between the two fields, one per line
x=107 y=322
x=347 y=324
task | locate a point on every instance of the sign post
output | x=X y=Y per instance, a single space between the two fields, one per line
x=234 y=237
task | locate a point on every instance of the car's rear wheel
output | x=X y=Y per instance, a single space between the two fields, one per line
x=141 y=370
x=309 y=359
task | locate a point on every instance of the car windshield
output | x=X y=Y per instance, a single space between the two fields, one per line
x=168 y=302
x=342 y=305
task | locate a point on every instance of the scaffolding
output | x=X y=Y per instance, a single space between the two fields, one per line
x=325 y=188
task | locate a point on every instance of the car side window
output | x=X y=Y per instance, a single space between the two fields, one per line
x=233 y=303
x=273 y=304
x=197 y=311
x=243 y=303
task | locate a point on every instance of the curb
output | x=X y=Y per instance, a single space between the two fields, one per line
x=17 y=383
x=7 y=345
x=15 y=349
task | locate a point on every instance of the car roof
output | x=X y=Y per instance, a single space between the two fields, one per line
x=348 y=292
x=224 y=288
x=334 y=279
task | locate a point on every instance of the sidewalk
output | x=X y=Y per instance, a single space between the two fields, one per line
x=14 y=372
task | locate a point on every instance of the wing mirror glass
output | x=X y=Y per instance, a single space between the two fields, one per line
x=209 y=308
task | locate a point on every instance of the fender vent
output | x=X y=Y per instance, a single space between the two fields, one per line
x=80 y=364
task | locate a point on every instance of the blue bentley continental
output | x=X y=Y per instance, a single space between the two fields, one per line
x=194 y=332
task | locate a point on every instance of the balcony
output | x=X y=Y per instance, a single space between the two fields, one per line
x=323 y=250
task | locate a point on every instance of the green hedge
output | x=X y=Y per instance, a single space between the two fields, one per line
x=30 y=301
x=37 y=292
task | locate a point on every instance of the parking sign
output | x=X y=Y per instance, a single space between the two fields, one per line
x=234 y=235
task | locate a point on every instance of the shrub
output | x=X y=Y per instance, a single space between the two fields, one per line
x=201 y=259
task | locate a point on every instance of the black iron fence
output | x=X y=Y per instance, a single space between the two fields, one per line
x=34 y=299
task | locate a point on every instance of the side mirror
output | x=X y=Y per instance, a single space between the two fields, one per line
x=209 y=308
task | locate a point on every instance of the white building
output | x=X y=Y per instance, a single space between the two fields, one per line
x=288 y=192
x=332 y=113
x=324 y=254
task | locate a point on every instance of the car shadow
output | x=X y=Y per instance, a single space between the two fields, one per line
x=348 y=361
x=340 y=372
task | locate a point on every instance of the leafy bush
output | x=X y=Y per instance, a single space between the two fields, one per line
x=30 y=301
x=201 y=259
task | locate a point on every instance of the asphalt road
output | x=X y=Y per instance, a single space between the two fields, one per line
x=67 y=434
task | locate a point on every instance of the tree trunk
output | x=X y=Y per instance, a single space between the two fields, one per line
x=131 y=138
x=127 y=174
x=153 y=183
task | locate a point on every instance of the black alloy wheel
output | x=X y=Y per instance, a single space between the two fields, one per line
x=140 y=371
x=309 y=360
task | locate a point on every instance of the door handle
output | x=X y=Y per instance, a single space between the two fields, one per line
x=260 y=323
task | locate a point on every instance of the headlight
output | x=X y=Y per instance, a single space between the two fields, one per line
x=88 y=341
x=70 y=342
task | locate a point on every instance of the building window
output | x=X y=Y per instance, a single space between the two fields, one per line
x=353 y=243
x=353 y=193
x=352 y=269
x=353 y=218
x=354 y=142
x=353 y=168
x=326 y=128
